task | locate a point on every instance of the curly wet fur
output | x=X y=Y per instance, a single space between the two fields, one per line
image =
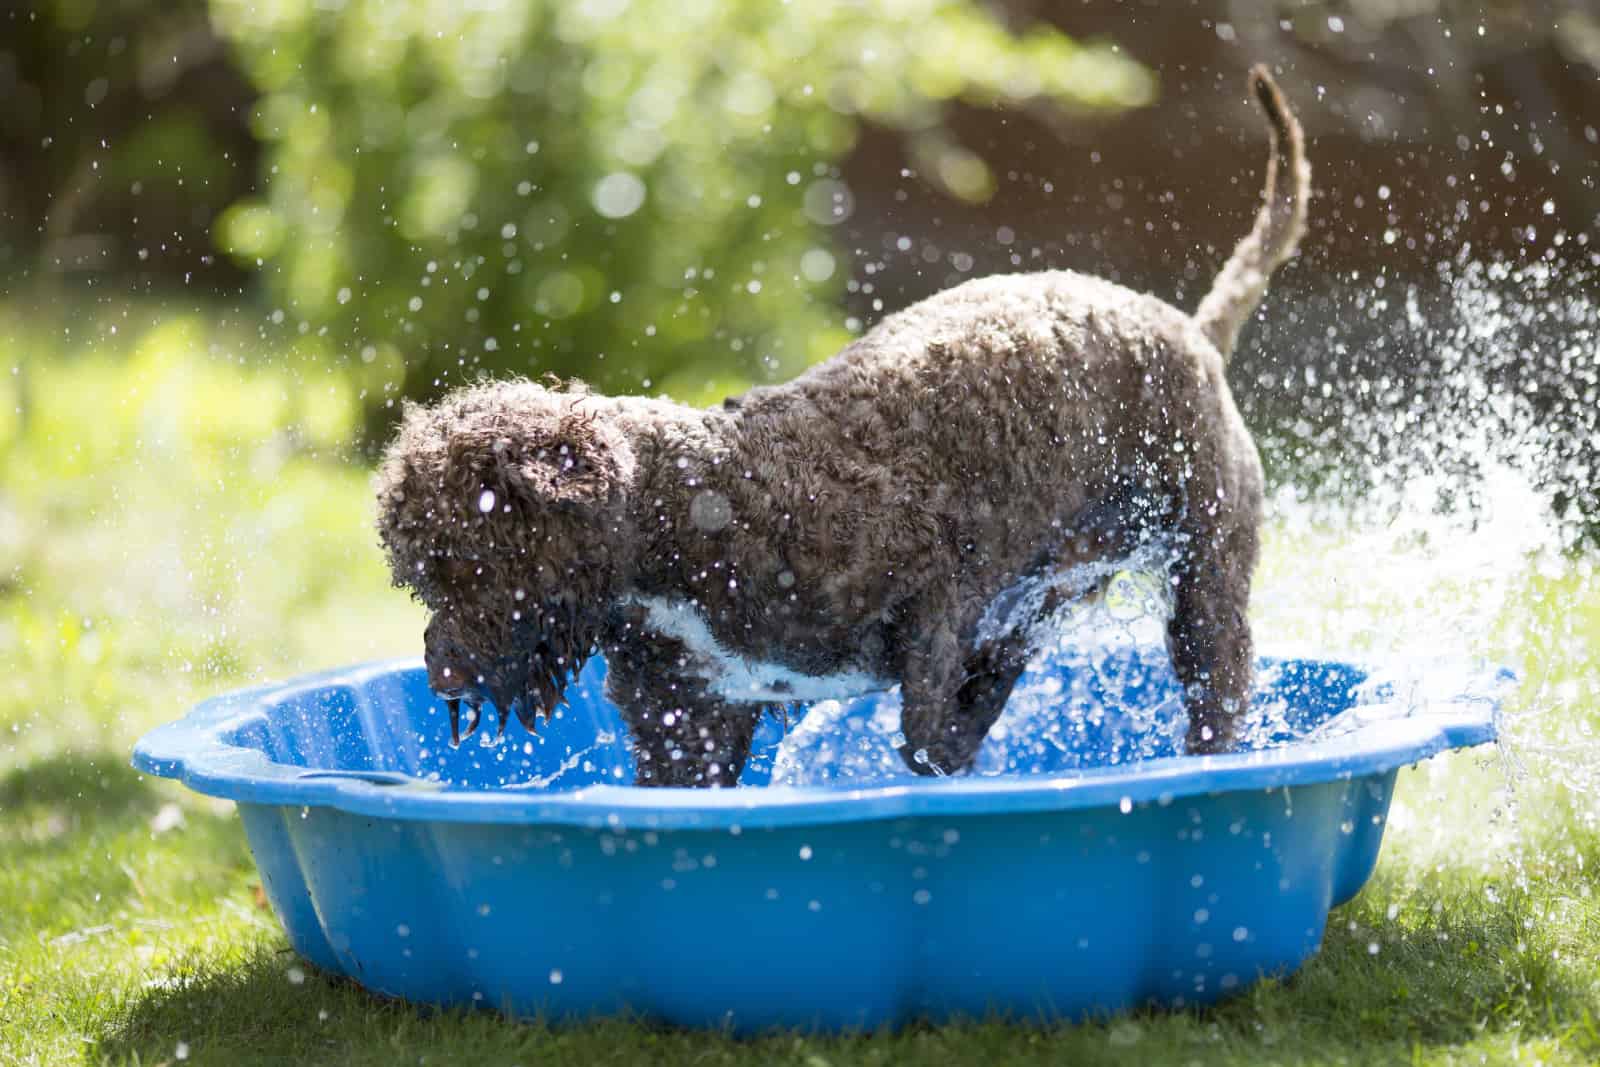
x=861 y=519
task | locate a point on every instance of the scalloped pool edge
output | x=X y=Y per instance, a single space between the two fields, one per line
x=194 y=751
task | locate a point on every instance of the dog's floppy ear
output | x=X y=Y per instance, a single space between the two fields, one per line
x=578 y=460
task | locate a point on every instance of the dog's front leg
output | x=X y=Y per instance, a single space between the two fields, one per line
x=930 y=685
x=1208 y=635
x=682 y=734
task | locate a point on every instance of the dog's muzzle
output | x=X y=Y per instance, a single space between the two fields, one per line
x=528 y=681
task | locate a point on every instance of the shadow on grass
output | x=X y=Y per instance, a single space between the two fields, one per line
x=264 y=1005
x=1467 y=971
x=84 y=782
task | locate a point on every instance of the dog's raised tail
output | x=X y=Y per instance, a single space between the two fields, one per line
x=1242 y=282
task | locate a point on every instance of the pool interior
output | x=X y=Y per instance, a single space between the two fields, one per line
x=1073 y=709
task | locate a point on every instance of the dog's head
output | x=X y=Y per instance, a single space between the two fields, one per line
x=503 y=508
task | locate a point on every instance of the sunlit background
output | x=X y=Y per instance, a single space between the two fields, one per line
x=233 y=236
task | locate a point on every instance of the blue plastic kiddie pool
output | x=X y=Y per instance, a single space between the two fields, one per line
x=1085 y=867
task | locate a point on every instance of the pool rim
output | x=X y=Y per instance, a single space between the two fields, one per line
x=193 y=751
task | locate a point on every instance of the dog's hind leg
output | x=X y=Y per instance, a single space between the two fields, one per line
x=1208 y=635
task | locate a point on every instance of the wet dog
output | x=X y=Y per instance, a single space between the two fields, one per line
x=909 y=512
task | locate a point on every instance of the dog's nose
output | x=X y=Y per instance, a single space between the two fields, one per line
x=450 y=683
x=447 y=681
x=448 y=673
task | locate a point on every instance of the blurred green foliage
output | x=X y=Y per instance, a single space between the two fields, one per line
x=637 y=191
x=178 y=513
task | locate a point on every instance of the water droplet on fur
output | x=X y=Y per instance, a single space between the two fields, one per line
x=710 y=511
x=486 y=501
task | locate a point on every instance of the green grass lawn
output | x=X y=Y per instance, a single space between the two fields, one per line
x=177 y=518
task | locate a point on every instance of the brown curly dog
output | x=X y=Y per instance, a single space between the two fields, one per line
x=889 y=517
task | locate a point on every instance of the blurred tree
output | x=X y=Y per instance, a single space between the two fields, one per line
x=122 y=134
x=638 y=192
